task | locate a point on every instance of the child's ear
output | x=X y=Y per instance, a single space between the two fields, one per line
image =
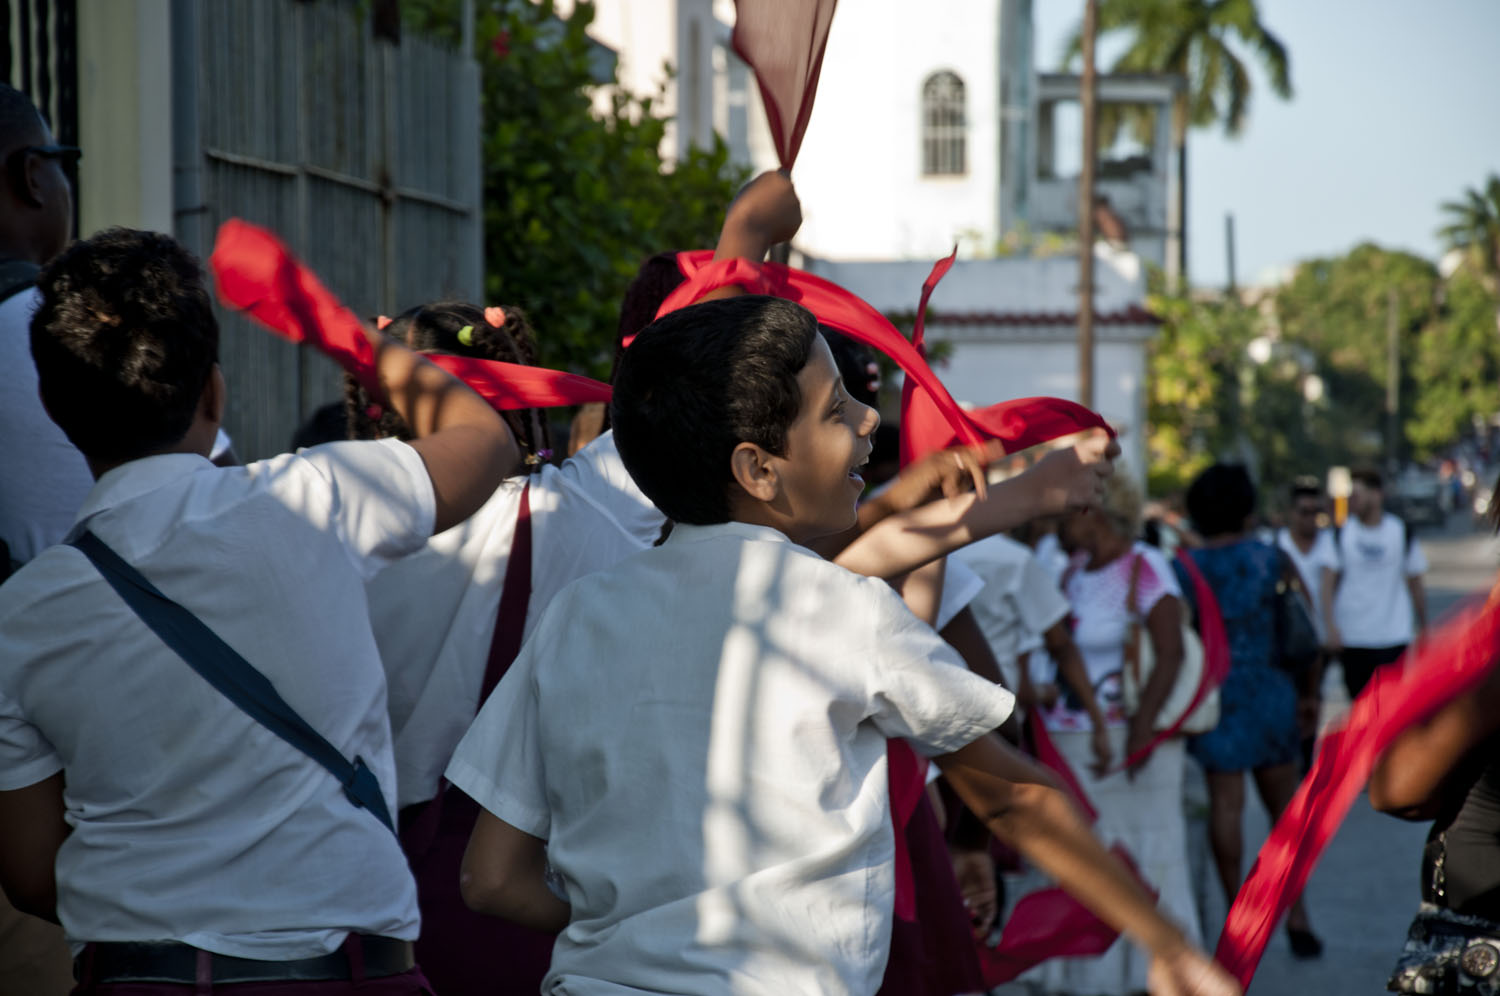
x=754 y=470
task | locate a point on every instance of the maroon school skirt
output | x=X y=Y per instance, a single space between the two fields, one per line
x=934 y=954
x=464 y=953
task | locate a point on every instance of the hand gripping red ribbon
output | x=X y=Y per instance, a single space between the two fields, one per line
x=257 y=274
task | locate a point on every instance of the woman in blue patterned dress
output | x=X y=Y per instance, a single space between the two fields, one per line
x=1257 y=729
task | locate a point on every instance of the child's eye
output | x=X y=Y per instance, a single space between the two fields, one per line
x=839 y=410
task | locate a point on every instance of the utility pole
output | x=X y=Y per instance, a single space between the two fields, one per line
x=1392 y=384
x=1086 y=211
x=1229 y=249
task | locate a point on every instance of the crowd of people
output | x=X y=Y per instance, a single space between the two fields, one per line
x=705 y=705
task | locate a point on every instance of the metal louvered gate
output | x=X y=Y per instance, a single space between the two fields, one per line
x=362 y=154
x=39 y=56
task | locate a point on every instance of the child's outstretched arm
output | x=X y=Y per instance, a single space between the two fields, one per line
x=1022 y=806
x=1064 y=479
x=504 y=874
x=465 y=444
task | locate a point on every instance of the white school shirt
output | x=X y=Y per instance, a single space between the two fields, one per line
x=699 y=735
x=43 y=479
x=1019 y=601
x=434 y=612
x=1310 y=567
x=961 y=585
x=191 y=821
x=1372 y=605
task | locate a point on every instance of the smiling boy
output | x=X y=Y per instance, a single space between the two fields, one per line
x=695 y=740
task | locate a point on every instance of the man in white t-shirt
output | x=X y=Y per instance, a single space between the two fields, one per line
x=1378 y=605
x=178 y=840
x=1311 y=550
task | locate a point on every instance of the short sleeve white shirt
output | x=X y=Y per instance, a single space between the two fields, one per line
x=961 y=586
x=1310 y=567
x=43 y=479
x=434 y=612
x=699 y=735
x=191 y=821
x=1372 y=605
x=1019 y=601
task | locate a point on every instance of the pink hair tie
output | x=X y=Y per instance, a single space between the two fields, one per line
x=374 y=412
x=495 y=316
x=381 y=321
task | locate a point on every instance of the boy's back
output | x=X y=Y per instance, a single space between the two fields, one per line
x=173 y=790
x=699 y=734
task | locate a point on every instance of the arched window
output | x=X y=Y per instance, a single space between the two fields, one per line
x=943 y=125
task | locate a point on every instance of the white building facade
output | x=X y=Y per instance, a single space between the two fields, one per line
x=931 y=129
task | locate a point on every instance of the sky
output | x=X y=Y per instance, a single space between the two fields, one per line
x=1395 y=109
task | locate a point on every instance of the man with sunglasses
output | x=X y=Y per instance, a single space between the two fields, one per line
x=43 y=479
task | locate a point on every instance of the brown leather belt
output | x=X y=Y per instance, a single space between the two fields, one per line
x=129 y=961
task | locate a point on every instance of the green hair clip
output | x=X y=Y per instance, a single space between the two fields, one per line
x=466 y=335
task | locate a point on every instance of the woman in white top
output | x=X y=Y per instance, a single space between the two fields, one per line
x=1141 y=809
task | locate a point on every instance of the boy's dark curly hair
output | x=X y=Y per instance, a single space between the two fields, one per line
x=459 y=329
x=125 y=341
x=697 y=383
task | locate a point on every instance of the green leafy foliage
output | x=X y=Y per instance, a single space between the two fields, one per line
x=575 y=197
x=1212 y=396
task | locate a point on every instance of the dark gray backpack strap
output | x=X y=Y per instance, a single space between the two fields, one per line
x=222 y=667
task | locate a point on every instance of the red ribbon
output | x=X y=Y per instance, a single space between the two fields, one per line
x=1449 y=663
x=257 y=274
x=1216 y=658
x=936 y=419
x=783 y=42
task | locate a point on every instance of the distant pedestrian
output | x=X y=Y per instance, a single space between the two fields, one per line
x=1378 y=605
x=1311 y=550
x=1257 y=729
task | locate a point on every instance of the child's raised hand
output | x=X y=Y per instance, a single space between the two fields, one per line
x=1073 y=477
x=767 y=208
x=941 y=474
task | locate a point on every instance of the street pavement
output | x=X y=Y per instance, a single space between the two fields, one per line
x=1364 y=891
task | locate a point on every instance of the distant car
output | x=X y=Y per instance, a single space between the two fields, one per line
x=1418 y=498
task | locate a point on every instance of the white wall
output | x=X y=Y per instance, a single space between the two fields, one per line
x=125 y=115
x=983 y=373
x=859 y=172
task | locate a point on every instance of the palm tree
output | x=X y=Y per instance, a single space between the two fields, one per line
x=1474 y=228
x=1193 y=39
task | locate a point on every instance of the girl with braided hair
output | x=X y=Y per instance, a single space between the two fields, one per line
x=449 y=619
x=460 y=329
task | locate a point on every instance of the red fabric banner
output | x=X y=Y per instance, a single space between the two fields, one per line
x=783 y=42
x=257 y=274
x=1018 y=424
x=1048 y=923
x=1215 y=656
x=1447 y=664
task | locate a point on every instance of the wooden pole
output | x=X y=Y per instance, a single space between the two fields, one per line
x=1392 y=384
x=1086 y=211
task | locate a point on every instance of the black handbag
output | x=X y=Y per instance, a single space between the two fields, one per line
x=1297 y=643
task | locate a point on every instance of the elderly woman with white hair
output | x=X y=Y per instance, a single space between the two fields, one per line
x=1115 y=584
